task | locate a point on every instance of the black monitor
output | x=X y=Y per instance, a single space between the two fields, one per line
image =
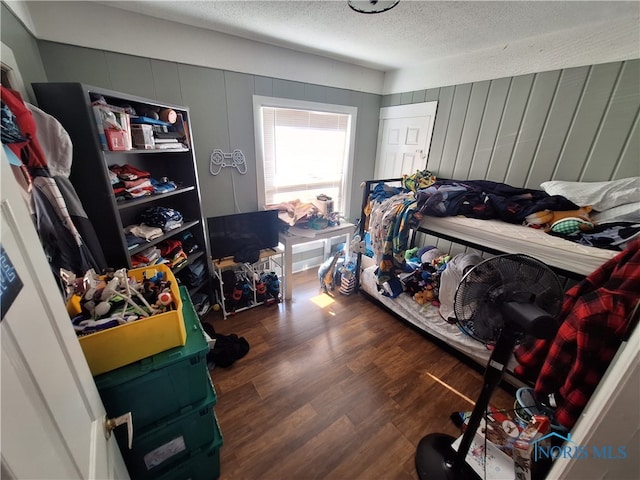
x=240 y=232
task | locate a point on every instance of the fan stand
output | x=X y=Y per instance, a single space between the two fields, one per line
x=435 y=458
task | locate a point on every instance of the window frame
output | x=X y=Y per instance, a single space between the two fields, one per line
x=260 y=101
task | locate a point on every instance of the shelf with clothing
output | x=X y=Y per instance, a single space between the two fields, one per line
x=126 y=188
x=151 y=198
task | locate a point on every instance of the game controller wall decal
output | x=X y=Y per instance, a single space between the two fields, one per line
x=220 y=159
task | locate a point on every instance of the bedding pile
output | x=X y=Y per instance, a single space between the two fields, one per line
x=569 y=208
x=394 y=212
x=599 y=221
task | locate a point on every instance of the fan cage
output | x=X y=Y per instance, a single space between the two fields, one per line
x=503 y=278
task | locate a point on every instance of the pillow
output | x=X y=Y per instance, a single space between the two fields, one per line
x=600 y=195
x=629 y=212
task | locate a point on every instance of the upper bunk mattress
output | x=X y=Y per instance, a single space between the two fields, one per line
x=505 y=237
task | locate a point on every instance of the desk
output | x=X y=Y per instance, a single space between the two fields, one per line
x=288 y=239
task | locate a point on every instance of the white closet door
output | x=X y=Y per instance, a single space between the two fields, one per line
x=404 y=137
x=52 y=415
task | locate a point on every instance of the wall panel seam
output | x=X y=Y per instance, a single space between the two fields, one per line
x=544 y=127
x=475 y=145
x=519 y=134
x=445 y=129
x=572 y=123
x=464 y=122
x=625 y=147
x=598 y=133
x=226 y=107
x=500 y=123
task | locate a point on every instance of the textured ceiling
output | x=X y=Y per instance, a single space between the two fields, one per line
x=412 y=33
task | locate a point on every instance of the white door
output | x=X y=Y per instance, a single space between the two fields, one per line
x=404 y=136
x=52 y=415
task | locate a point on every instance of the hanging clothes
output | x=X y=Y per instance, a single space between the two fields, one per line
x=60 y=239
x=57 y=147
x=29 y=149
x=55 y=143
x=58 y=213
x=596 y=316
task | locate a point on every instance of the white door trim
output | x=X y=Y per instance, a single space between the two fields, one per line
x=8 y=61
x=423 y=109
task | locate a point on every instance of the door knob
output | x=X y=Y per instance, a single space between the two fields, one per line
x=112 y=423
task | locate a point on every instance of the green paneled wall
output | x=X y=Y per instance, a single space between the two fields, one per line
x=221 y=104
x=576 y=124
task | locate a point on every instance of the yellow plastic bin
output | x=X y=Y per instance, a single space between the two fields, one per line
x=125 y=344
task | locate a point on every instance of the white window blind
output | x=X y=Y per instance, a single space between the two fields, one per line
x=305 y=154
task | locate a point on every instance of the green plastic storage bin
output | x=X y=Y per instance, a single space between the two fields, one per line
x=163 y=384
x=164 y=444
x=203 y=464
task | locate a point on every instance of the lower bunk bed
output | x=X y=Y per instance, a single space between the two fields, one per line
x=427 y=319
x=572 y=261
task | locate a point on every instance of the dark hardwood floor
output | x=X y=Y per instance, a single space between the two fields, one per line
x=340 y=391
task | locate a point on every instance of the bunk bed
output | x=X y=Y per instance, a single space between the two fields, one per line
x=569 y=259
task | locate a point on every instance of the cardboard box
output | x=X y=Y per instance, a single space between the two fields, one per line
x=325 y=207
x=487 y=460
x=116 y=139
x=523 y=456
x=142 y=136
x=491 y=451
x=502 y=429
x=118 y=346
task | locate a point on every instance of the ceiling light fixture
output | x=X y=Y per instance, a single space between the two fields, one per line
x=372 y=6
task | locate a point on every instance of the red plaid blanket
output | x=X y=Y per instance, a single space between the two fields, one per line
x=595 y=317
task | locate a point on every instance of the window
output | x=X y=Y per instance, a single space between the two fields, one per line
x=304 y=149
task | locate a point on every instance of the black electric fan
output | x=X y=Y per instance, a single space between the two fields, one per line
x=497 y=302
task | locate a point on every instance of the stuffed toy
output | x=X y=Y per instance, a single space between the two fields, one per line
x=557 y=221
x=411 y=253
x=328 y=270
x=440 y=263
x=424 y=296
x=429 y=255
x=357 y=245
x=417 y=281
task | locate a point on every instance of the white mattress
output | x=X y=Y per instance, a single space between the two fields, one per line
x=510 y=238
x=428 y=319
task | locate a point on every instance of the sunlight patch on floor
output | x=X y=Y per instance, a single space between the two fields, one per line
x=323 y=300
x=449 y=387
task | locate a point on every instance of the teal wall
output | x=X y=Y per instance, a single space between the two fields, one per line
x=575 y=124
